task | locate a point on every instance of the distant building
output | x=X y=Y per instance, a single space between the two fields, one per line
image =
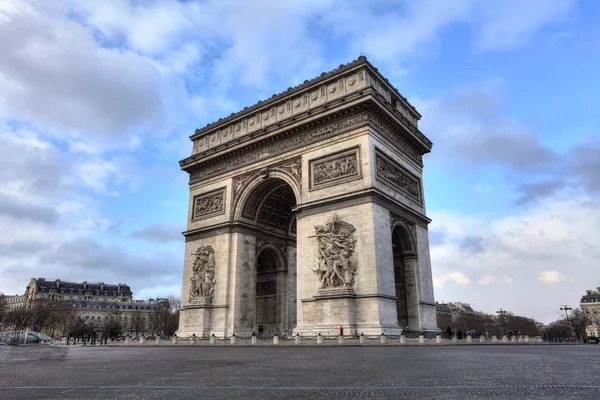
x=453 y=310
x=96 y=303
x=14 y=302
x=590 y=305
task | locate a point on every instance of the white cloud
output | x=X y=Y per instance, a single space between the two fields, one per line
x=555 y=242
x=551 y=277
x=456 y=277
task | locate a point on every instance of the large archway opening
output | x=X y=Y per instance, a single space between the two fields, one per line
x=404 y=255
x=269 y=208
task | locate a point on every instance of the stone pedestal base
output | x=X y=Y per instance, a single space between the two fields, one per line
x=198 y=318
x=332 y=308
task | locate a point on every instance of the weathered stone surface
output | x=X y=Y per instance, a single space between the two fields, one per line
x=312 y=205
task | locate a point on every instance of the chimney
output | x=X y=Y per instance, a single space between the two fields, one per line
x=588 y=292
x=598 y=290
x=57 y=283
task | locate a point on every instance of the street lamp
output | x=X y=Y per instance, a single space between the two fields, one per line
x=501 y=312
x=565 y=308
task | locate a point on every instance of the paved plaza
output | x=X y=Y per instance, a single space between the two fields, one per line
x=238 y=372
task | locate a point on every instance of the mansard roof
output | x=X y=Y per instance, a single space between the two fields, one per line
x=44 y=286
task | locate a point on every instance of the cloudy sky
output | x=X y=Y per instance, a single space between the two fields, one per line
x=98 y=98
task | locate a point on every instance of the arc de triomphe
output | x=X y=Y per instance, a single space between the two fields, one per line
x=306 y=213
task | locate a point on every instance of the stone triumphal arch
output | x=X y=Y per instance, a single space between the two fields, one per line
x=306 y=212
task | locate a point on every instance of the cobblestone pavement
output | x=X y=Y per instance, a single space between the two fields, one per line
x=446 y=372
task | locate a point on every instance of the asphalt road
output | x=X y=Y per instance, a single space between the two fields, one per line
x=449 y=372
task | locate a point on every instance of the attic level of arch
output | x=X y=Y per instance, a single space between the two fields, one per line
x=366 y=114
x=337 y=83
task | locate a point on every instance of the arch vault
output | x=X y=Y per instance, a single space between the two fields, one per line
x=306 y=212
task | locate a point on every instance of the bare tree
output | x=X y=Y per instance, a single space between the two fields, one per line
x=2 y=307
x=578 y=321
x=19 y=318
x=138 y=323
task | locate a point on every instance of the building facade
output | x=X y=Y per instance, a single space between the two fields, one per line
x=96 y=303
x=590 y=306
x=306 y=213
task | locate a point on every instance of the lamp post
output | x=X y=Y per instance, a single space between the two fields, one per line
x=501 y=312
x=566 y=308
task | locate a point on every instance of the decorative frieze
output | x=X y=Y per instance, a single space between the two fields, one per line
x=293 y=167
x=208 y=204
x=336 y=264
x=280 y=146
x=395 y=175
x=335 y=168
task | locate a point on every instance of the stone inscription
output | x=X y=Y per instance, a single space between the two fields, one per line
x=396 y=176
x=207 y=205
x=203 y=274
x=335 y=169
x=336 y=265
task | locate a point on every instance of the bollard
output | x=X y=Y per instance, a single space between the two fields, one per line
x=438 y=338
x=127 y=340
x=513 y=339
x=213 y=339
x=402 y=339
x=494 y=339
x=142 y=339
x=526 y=338
x=340 y=339
x=276 y=339
x=504 y=339
x=319 y=339
x=362 y=339
x=157 y=340
x=469 y=339
x=482 y=339
x=383 y=339
x=233 y=339
x=253 y=340
x=454 y=339
x=421 y=339
x=193 y=339
x=520 y=339
x=297 y=338
x=175 y=340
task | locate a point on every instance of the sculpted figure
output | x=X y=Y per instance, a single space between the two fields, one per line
x=203 y=272
x=335 y=264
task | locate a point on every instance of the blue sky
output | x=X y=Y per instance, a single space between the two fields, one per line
x=98 y=99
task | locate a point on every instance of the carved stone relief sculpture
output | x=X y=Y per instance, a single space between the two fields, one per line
x=336 y=265
x=394 y=175
x=203 y=274
x=335 y=169
x=209 y=204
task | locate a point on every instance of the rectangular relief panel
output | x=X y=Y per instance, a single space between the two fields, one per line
x=398 y=177
x=209 y=204
x=334 y=169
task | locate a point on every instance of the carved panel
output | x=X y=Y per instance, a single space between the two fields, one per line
x=208 y=204
x=202 y=281
x=336 y=264
x=280 y=146
x=335 y=168
x=398 y=177
x=266 y=288
x=293 y=167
